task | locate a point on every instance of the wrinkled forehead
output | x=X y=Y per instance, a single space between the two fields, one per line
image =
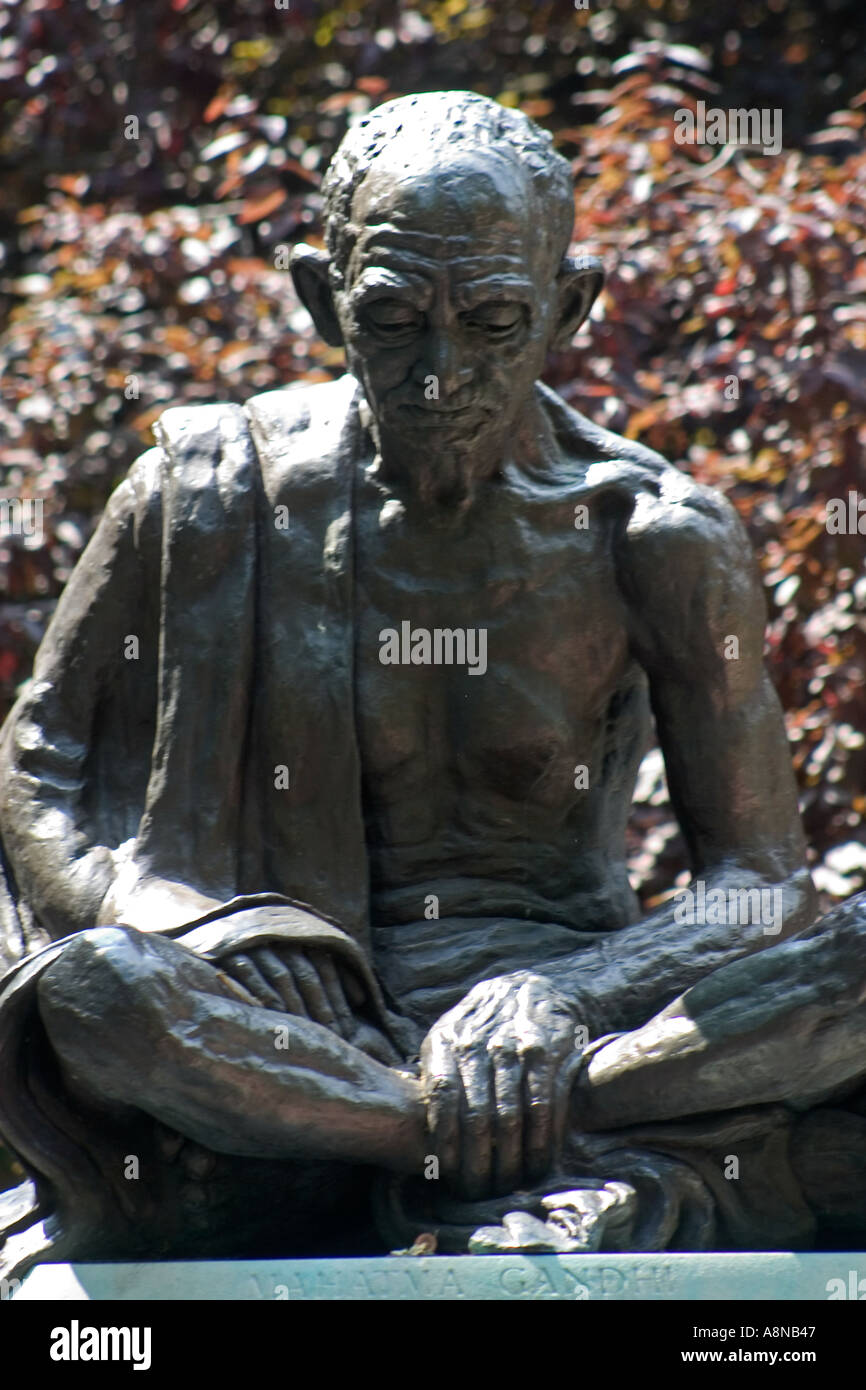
x=447 y=209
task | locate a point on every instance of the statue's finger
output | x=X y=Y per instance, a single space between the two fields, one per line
x=508 y=1155
x=246 y=970
x=234 y=987
x=476 y=1125
x=375 y=1044
x=283 y=980
x=442 y=1093
x=538 y=1117
x=327 y=971
x=354 y=989
x=312 y=991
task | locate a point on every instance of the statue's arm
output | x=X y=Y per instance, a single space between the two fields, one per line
x=697 y=614
x=60 y=855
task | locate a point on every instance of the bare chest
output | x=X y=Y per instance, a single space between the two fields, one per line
x=488 y=651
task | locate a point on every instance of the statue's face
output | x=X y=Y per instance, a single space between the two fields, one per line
x=447 y=305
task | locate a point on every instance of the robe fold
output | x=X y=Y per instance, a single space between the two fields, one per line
x=221 y=754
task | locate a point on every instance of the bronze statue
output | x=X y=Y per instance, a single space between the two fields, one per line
x=317 y=918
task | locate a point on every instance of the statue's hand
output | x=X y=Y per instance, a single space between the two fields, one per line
x=488 y=1071
x=310 y=984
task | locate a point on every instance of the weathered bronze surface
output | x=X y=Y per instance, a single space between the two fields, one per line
x=316 y=914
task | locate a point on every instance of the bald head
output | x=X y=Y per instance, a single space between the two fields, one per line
x=431 y=135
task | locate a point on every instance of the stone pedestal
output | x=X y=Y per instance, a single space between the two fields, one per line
x=694 y=1278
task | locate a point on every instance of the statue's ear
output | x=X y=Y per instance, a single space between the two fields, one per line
x=309 y=268
x=578 y=283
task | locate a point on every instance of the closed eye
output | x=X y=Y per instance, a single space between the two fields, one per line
x=391 y=318
x=496 y=319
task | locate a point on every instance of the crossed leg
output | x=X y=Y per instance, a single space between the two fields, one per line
x=786 y=1025
x=137 y=1019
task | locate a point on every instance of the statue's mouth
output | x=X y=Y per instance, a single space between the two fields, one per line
x=438 y=415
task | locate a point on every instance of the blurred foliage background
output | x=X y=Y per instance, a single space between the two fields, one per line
x=155 y=158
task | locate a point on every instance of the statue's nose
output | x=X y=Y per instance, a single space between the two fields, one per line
x=447 y=364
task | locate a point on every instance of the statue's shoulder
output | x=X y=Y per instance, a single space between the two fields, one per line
x=668 y=516
x=187 y=434
x=303 y=408
x=581 y=443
